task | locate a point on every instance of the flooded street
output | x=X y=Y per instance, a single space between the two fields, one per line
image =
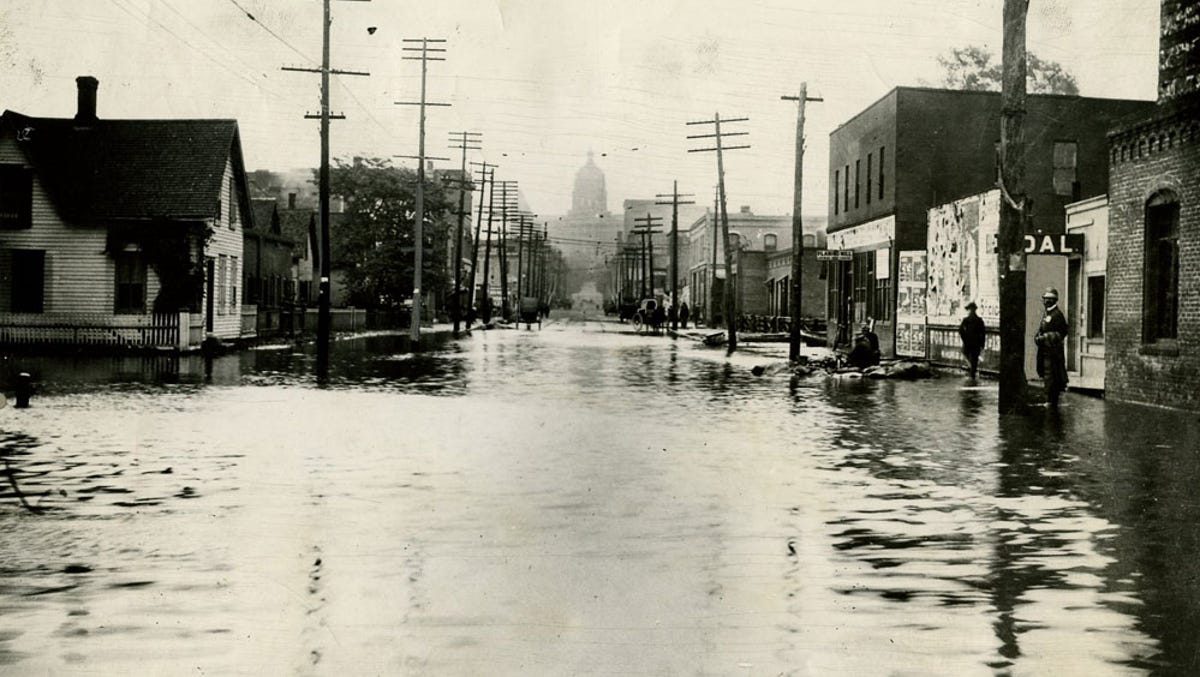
x=583 y=501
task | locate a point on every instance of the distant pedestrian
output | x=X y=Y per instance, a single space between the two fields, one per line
x=673 y=316
x=1051 y=337
x=973 y=333
x=657 y=316
x=683 y=315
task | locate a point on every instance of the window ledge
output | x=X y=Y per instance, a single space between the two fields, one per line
x=1161 y=348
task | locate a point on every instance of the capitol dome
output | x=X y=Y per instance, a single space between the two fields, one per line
x=590 y=198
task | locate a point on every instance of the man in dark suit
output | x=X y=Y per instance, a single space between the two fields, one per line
x=1051 y=338
x=973 y=335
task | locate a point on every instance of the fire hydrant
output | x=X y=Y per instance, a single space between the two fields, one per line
x=24 y=390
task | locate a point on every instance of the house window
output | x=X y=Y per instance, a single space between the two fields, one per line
x=869 y=157
x=1162 y=267
x=1095 y=321
x=130 y=287
x=232 y=203
x=857 y=180
x=881 y=172
x=1065 y=159
x=770 y=242
x=222 y=264
x=28 y=280
x=233 y=286
x=846 y=191
x=16 y=197
x=863 y=276
x=881 y=307
x=837 y=189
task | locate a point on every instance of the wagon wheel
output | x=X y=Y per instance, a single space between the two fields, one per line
x=637 y=322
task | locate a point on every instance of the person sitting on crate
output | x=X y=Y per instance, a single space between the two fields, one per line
x=865 y=350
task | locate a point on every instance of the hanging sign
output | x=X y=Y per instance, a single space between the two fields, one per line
x=834 y=255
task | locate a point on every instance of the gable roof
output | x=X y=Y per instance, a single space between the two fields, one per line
x=131 y=169
x=264 y=214
x=299 y=225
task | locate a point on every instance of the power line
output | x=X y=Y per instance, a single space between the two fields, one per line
x=146 y=19
x=271 y=32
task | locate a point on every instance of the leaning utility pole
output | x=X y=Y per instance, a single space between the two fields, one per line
x=465 y=141
x=486 y=169
x=323 y=287
x=718 y=135
x=675 y=202
x=419 y=219
x=487 y=254
x=1014 y=210
x=798 y=224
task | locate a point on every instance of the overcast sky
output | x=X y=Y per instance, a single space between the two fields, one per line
x=546 y=80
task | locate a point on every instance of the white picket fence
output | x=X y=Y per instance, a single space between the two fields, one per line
x=158 y=330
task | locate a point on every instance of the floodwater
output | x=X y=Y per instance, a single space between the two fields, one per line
x=581 y=501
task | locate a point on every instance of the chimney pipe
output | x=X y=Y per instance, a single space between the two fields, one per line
x=86 y=110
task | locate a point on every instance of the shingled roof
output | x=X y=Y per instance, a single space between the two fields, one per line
x=300 y=226
x=131 y=169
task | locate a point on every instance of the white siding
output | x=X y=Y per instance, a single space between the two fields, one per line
x=227 y=241
x=80 y=276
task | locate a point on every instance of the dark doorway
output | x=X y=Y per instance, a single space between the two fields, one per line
x=210 y=275
x=28 y=280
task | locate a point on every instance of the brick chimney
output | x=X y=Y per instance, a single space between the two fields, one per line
x=86 y=110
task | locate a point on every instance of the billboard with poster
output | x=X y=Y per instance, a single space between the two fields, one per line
x=962 y=266
x=911 y=304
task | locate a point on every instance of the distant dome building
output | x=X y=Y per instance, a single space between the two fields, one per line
x=590 y=198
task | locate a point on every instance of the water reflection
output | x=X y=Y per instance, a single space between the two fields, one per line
x=582 y=500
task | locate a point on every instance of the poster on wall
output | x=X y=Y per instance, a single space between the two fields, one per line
x=911 y=300
x=961 y=264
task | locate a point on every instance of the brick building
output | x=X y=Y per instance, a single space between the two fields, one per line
x=1153 y=307
x=917 y=148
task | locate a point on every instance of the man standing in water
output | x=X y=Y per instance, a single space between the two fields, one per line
x=1050 y=338
x=972 y=332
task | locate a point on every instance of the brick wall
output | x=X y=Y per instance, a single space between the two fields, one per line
x=1162 y=152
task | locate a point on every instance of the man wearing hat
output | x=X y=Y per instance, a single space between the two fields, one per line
x=865 y=352
x=1051 y=338
x=973 y=334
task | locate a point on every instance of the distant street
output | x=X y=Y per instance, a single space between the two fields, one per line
x=583 y=501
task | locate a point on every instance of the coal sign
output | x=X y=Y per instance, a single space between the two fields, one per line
x=1063 y=245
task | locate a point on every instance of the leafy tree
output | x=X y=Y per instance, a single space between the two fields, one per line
x=977 y=69
x=372 y=241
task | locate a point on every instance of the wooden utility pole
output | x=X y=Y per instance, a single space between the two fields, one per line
x=718 y=135
x=711 y=310
x=1014 y=210
x=486 y=170
x=323 y=287
x=646 y=229
x=675 y=202
x=507 y=202
x=520 y=257
x=419 y=219
x=465 y=142
x=487 y=254
x=797 y=273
